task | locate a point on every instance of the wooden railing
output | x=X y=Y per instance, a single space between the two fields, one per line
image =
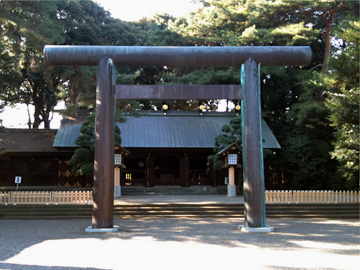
x=311 y=196
x=72 y=197
x=271 y=196
x=46 y=197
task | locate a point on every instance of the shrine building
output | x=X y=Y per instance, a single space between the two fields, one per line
x=161 y=149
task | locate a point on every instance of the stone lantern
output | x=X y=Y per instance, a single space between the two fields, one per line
x=232 y=154
x=120 y=153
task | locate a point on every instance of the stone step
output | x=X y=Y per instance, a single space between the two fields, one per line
x=169 y=190
x=350 y=210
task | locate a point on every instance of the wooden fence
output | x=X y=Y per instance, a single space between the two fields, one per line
x=46 y=197
x=311 y=196
x=85 y=197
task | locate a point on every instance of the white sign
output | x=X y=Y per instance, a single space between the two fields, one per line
x=17 y=179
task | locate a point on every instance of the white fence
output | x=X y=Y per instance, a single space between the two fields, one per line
x=46 y=197
x=85 y=197
x=311 y=196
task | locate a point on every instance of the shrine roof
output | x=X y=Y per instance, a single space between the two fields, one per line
x=176 y=129
x=28 y=140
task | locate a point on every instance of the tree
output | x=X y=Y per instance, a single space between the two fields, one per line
x=28 y=26
x=82 y=162
x=232 y=133
x=9 y=72
x=86 y=23
x=305 y=165
x=344 y=102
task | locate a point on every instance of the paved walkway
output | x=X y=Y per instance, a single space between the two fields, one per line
x=171 y=244
x=161 y=199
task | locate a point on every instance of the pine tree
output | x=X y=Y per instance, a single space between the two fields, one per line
x=28 y=26
x=344 y=103
x=82 y=162
x=231 y=133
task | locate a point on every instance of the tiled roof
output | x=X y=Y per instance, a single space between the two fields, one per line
x=156 y=130
x=28 y=140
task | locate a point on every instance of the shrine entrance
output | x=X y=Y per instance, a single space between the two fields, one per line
x=248 y=58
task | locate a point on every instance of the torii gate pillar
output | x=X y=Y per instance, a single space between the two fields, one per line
x=103 y=189
x=253 y=164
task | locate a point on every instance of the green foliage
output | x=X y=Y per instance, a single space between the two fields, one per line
x=26 y=27
x=232 y=133
x=86 y=23
x=345 y=118
x=305 y=166
x=308 y=112
x=344 y=103
x=205 y=76
x=155 y=32
x=255 y=22
x=82 y=162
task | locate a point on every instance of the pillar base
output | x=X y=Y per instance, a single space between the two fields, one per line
x=117 y=191
x=266 y=229
x=231 y=191
x=90 y=229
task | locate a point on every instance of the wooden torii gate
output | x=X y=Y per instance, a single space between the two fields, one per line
x=248 y=58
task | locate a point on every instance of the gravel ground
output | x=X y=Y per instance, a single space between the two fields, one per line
x=169 y=243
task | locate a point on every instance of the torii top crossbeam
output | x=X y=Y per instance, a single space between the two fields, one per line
x=178 y=56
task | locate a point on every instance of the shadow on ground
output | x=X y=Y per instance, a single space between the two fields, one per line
x=331 y=236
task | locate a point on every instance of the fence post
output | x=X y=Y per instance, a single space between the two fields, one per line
x=61 y=196
x=307 y=196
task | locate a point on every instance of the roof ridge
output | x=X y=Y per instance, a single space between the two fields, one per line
x=27 y=130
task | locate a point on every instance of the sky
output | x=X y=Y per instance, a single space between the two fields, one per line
x=134 y=10
x=126 y=10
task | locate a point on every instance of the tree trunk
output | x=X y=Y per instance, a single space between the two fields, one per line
x=328 y=22
x=46 y=122
x=29 y=117
x=37 y=119
x=327 y=47
x=37 y=104
x=46 y=116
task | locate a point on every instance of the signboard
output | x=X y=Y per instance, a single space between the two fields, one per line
x=17 y=179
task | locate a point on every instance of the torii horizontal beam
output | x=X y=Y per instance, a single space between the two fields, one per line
x=178 y=56
x=177 y=92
